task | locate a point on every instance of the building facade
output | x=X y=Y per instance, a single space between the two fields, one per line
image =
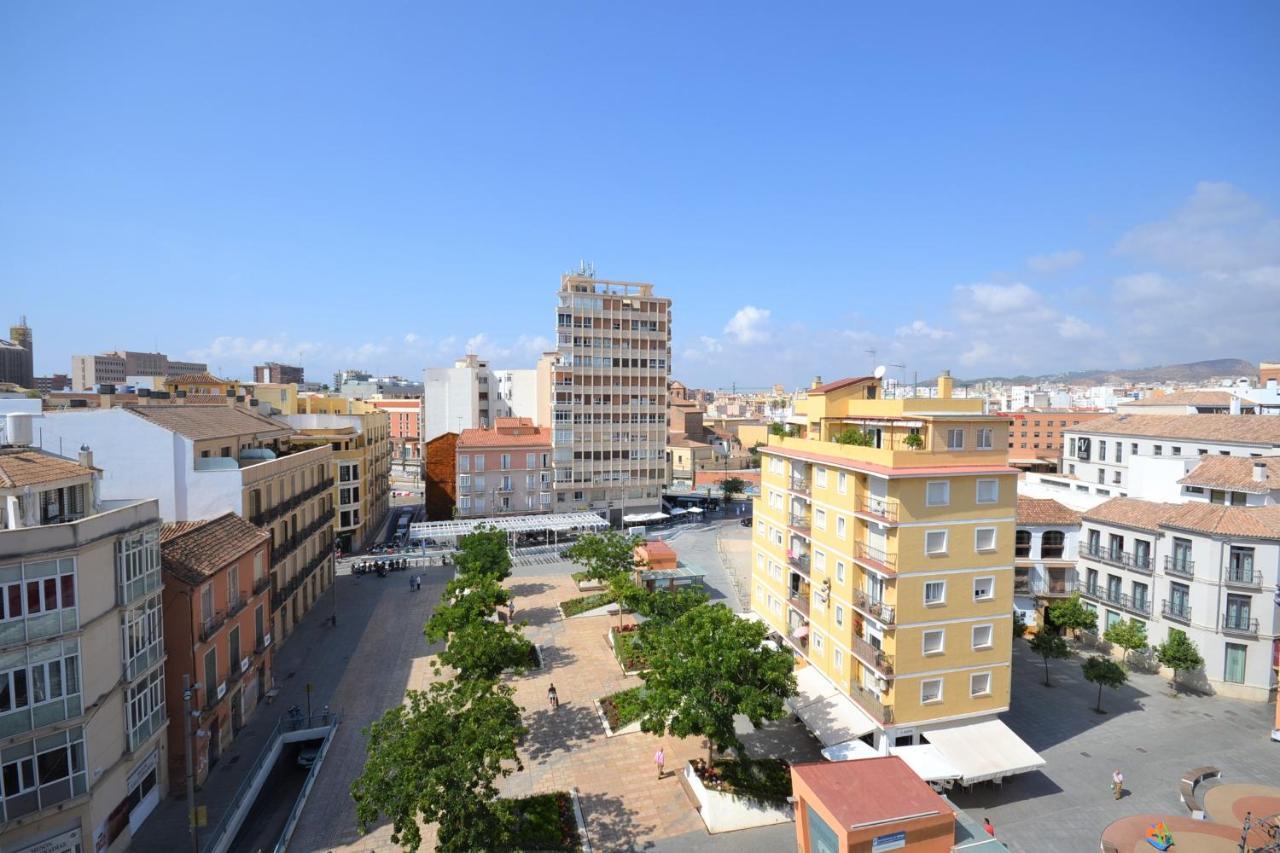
x=217 y=621
x=275 y=373
x=82 y=705
x=1036 y=435
x=17 y=356
x=440 y=476
x=1045 y=548
x=609 y=396
x=89 y=371
x=505 y=470
x=887 y=564
x=405 y=421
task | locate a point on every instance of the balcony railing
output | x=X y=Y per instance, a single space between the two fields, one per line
x=799 y=602
x=1179 y=611
x=881 y=509
x=871 y=703
x=287 y=546
x=1140 y=606
x=872 y=657
x=1176 y=564
x=799 y=562
x=872 y=557
x=1054 y=586
x=236 y=604
x=1244 y=577
x=799 y=523
x=280 y=596
x=263 y=517
x=1240 y=624
x=210 y=626
x=1122 y=559
x=873 y=607
x=800 y=486
x=263 y=583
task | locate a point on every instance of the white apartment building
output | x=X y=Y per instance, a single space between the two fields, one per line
x=471 y=395
x=82 y=702
x=1045 y=549
x=1209 y=570
x=609 y=396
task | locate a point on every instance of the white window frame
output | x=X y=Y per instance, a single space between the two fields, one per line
x=994 y=484
x=841 y=527
x=820 y=519
x=842 y=482
x=839 y=615
x=991 y=634
x=818 y=642
x=839 y=659
x=820 y=477
x=991 y=592
x=953 y=433
x=820 y=560
x=940 y=600
x=929 y=536
x=977 y=539
x=942 y=642
x=927 y=682
x=986 y=691
x=984 y=438
x=946 y=493
x=839 y=572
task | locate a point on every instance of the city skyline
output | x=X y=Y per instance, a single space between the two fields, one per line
x=804 y=187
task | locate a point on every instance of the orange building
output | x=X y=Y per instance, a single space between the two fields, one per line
x=406 y=421
x=1035 y=435
x=217 y=624
x=870 y=804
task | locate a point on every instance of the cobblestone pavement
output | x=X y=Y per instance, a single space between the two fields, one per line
x=1150 y=735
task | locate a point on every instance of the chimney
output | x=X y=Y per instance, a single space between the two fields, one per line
x=1271 y=386
x=1235 y=405
x=86 y=456
x=1259 y=472
x=817 y=380
x=945 y=385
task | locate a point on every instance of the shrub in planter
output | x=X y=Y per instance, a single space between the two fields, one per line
x=623 y=708
x=765 y=780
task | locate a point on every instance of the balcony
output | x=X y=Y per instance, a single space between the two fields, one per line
x=798 y=523
x=1120 y=559
x=799 y=602
x=1057 y=586
x=1242 y=576
x=210 y=626
x=799 y=562
x=1176 y=564
x=1178 y=611
x=871 y=557
x=263 y=583
x=875 y=608
x=799 y=486
x=873 y=657
x=1139 y=606
x=871 y=703
x=237 y=603
x=879 y=510
x=1239 y=624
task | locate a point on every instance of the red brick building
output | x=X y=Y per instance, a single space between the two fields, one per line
x=1035 y=435
x=440 y=476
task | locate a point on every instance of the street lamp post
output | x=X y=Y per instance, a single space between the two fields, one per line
x=187 y=688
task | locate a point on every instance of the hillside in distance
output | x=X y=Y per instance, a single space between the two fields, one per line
x=1193 y=371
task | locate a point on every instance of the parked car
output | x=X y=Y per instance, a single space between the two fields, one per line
x=307 y=755
x=746 y=521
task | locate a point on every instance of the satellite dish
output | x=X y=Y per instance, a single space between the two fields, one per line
x=879 y=372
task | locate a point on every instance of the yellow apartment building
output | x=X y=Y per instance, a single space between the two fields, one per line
x=884 y=560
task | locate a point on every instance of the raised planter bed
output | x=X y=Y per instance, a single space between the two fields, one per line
x=586 y=605
x=623 y=642
x=618 y=712
x=725 y=807
x=549 y=822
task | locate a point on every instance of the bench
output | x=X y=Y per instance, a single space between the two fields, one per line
x=1187 y=788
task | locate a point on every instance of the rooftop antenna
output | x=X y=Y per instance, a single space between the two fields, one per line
x=871 y=352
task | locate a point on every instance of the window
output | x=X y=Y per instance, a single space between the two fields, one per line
x=143 y=635
x=1157 y=449
x=839 y=660
x=820 y=478
x=839 y=616
x=1102 y=450
x=935 y=542
x=531 y=460
x=820 y=560
x=930 y=691
x=138 y=565
x=980 y=684
x=955 y=439
x=1071 y=446
x=1177 y=451
x=988 y=491
x=144 y=707
x=818 y=642
x=935 y=592
x=1022 y=543
x=1234 y=666
x=210 y=676
x=984 y=539
x=820 y=519
x=840 y=526
x=842 y=483
x=479 y=462
x=839 y=572
x=1115 y=478
x=1119 y=448
x=464 y=463
x=984 y=438
x=504 y=461
x=982 y=636
x=933 y=642
x=1052 y=545
x=984 y=589
x=937 y=493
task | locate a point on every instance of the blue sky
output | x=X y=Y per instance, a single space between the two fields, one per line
x=995 y=189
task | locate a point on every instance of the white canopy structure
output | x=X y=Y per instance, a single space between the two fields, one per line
x=927 y=762
x=832 y=717
x=850 y=751
x=983 y=751
x=696 y=509
x=643 y=517
x=565 y=522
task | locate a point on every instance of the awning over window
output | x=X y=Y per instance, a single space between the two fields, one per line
x=830 y=715
x=982 y=751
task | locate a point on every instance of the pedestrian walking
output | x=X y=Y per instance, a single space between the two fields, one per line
x=986 y=825
x=552 y=698
x=511 y=611
x=411 y=583
x=660 y=759
x=1117 y=782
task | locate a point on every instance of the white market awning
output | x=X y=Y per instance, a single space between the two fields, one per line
x=695 y=509
x=982 y=751
x=927 y=761
x=677 y=511
x=830 y=715
x=850 y=751
x=566 y=522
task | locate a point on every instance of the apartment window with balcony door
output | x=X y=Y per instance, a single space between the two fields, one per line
x=233 y=585
x=930 y=691
x=955 y=439
x=979 y=684
x=504 y=461
x=1091 y=580
x=842 y=482
x=478 y=462
x=932 y=643
x=935 y=593
x=259 y=625
x=233 y=645
x=1238 y=615
x=984 y=589
x=840 y=526
x=935 y=542
x=937 y=493
x=1022 y=543
x=1115 y=546
x=988 y=491
x=210 y=675
x=1240 y=564
x=1142 y=553
x=1234 y=666
x=1094 y=541
x=981 y=636
x=206 y=603
x=531 y=460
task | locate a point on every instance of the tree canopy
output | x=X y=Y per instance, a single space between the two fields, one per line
x=707 y=666
x=1103 y=672
x=482 y=650
x=484 y=552
x=1179 y=653
x=437 y=759
x=853 y=436
x=1128 y=634
x=1070 y=613
x=731 y=486
x=1050 y=647
x=466 y=599
x=604 y=555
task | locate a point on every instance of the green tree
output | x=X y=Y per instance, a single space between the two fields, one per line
x=779 y=430
x=754 y=450
x=662 y=606
x=437 y=758
x=1104 y=672
x=708 y=666
x=854 y=436
x=605 y=555
x=466 y=599
x=484 y=552
x=1019 y=625
x=1050 y=647
x=483 y=650
x=731 y=486
x=1070 y=613
x=1179 y=653
x=1128 y=634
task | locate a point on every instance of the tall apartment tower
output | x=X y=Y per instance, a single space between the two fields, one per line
x=17 y=360
x=609 y=396
x=883 y=557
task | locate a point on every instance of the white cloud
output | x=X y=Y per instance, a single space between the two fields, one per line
x=999 y=298
x=1218 y=228
x=1054 y=262
x=748 y=325
x=978 y=354
x=921 y=329
x=411 y=339
x=1074 y=329
x=1140 y=287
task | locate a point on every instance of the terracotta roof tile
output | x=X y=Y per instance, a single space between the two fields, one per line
x=194 y=551
x=1131 y=512
x=1235 y=473
x=872 y=790
x=512 y=423
x=538 y=437
x=1261 y=522
x=1187 y=398
x=840 y=383
x=1045 y=511
x=1245 y=429
x=204 y=378
x=201 y=422
x=22 y=466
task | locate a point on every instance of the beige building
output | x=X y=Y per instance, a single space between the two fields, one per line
x=609 y=396
x=88 y=371
x=82 y=717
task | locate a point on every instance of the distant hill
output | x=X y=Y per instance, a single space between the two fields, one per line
x=1194 y=371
